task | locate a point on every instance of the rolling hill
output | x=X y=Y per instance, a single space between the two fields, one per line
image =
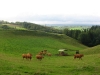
x=21 y=41
x=13 y=43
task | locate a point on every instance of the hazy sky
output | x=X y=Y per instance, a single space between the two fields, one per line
x=51 y=11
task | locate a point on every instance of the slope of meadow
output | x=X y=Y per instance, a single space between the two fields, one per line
x=13 y=43
x=92 y=50
x=34 y=41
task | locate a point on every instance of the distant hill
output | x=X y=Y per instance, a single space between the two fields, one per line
x=28 y=26
x=69 y=24
x=14 y=26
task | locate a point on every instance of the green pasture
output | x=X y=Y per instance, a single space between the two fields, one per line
x=14 y=43
x=91 y=50
x=18 y=42
x=54 y=65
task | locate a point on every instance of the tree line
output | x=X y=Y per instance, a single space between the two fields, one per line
x=89 y=37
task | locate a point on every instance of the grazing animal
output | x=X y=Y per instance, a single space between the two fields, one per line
x=27 y=56
x=44 y=52
x=78 y=56
x=39 y=57
x=40 y=53
x=49 y=54
x=24 y=56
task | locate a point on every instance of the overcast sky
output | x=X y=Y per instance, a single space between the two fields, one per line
x=51 y=11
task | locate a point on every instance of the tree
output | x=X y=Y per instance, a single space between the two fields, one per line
x=5 y=27
x=84 y=38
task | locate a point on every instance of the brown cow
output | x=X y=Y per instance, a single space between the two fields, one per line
x=44 y=52
x=27 y=56
x=24 y=56
x=78 y=56
x=39 y=57
x=40 y=53
x=49 y=54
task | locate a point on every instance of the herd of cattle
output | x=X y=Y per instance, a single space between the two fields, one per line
x=41 y=55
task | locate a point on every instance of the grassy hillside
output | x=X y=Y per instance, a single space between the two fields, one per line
x=34 y=41
x=91 y=50
x=15 y=42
